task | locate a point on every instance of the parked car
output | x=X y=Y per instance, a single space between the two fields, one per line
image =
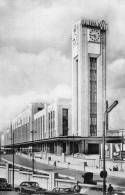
x=29 y=187
x=4 y=186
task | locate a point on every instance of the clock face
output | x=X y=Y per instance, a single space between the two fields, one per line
x=94 y=35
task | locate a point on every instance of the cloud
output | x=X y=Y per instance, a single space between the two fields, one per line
x=116 y=74
x=35 y=48
x=116 y=91
x=35 y=25
x=116 y=117
x=61 y=90
x=41 y=72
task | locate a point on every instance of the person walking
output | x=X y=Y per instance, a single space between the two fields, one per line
x=54 y=164
x=110 y=189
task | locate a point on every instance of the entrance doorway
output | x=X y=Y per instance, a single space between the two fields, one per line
x=93 y=148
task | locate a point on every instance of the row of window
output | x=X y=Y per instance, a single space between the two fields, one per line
x=93 y=96
x=21 y=134
x=39 y=128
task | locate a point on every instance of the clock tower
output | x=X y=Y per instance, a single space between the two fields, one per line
x=88 y=77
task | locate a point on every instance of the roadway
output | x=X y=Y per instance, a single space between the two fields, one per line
x=63 y=171
x=8 y=193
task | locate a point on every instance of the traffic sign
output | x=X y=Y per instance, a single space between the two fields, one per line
x=103 y=174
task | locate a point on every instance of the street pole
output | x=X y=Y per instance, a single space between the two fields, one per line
x=32 y=158
x=122 y=149
x=104 y=169
x=32 y=151
x=108 y=109
x=13 y=158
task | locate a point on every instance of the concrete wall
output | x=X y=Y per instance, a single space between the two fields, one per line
x=47 y=182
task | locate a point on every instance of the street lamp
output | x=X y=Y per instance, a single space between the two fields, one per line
x=13 y=156
x=12 y=143
x=108 y=109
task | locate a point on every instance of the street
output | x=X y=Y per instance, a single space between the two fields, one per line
x=8 y=193
x=15 y=193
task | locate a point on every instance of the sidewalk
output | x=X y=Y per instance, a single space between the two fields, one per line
x=79 y=167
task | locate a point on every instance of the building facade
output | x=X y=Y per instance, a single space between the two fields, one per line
x=38 y=123
x=22 y=124
x=59 y=127
x=54 y=120
x=88 y=77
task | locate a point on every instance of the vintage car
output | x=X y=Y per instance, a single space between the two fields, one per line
x=29 y=187
x=4 y=186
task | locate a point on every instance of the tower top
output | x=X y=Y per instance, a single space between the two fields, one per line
x=94 y=23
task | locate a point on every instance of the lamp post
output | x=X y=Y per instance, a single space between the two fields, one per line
x=13 y=160
x=13 y=156
x=108 y=109
x=32 y=151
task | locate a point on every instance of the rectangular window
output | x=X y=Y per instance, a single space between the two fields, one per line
x=93 y=96
x=49 y=123
x=41 y=128
x=43 y=123
x=65 y=122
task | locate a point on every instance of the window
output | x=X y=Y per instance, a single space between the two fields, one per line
x=41 y=128
x=93 y=96
x=49 y=124
x=65 y=122
x=43 y=123
x=53 y=120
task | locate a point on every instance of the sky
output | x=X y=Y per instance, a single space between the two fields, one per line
x=35 y=52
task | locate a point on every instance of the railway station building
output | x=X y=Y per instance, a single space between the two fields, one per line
x=77 y=127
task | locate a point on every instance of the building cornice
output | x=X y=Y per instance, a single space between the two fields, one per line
x=94 y=23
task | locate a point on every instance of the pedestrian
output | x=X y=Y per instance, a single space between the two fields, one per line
x=116 y=167
x=54 y=164
x=110 y=189
x=77 y=187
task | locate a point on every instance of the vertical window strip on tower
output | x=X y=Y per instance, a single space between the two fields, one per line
x=43 y=125
x=93 y=96
x=76 y=64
